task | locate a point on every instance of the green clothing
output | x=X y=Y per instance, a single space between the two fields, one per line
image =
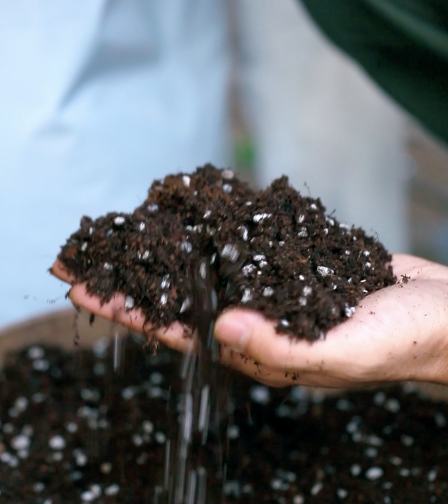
x=402 y=45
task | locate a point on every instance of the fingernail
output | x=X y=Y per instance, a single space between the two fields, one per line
x=232 y=332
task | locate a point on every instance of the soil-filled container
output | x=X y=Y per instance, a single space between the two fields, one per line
x=88 y=414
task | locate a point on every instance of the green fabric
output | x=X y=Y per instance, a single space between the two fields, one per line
x=402 y=45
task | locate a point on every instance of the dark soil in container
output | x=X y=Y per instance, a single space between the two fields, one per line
x=273 y=250
x=74 y=430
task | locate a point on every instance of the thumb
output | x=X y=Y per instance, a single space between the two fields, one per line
x=249 y=333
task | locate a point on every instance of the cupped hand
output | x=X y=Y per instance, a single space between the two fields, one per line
x=398 y=333
x=114 y=310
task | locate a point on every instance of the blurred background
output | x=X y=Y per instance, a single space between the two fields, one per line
x=99 y=99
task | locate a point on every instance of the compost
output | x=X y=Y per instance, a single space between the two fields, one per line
x=273 y=250
x=74 y=429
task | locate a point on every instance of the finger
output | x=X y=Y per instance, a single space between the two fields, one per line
x=385 y=340
x=355 y=348
x=247 y=366
x=251 y=334
x=416 y=268
x=404 y=264
x=279 y=377
x=61 y=272
x=173 y=336
x=176 y=337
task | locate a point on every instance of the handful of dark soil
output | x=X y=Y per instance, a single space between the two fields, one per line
x=274 y=251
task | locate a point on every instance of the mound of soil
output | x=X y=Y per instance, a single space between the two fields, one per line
x=274 y=251
x=74 y=430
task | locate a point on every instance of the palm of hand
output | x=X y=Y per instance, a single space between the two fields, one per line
x=396 y=334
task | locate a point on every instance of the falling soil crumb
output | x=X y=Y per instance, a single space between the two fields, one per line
x=73 y=431
x=405 y=279
x=274 y=251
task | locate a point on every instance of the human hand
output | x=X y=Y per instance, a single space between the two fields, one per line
x=398 y=333
x=114 y=310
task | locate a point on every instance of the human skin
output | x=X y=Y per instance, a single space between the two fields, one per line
x=398 y=333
